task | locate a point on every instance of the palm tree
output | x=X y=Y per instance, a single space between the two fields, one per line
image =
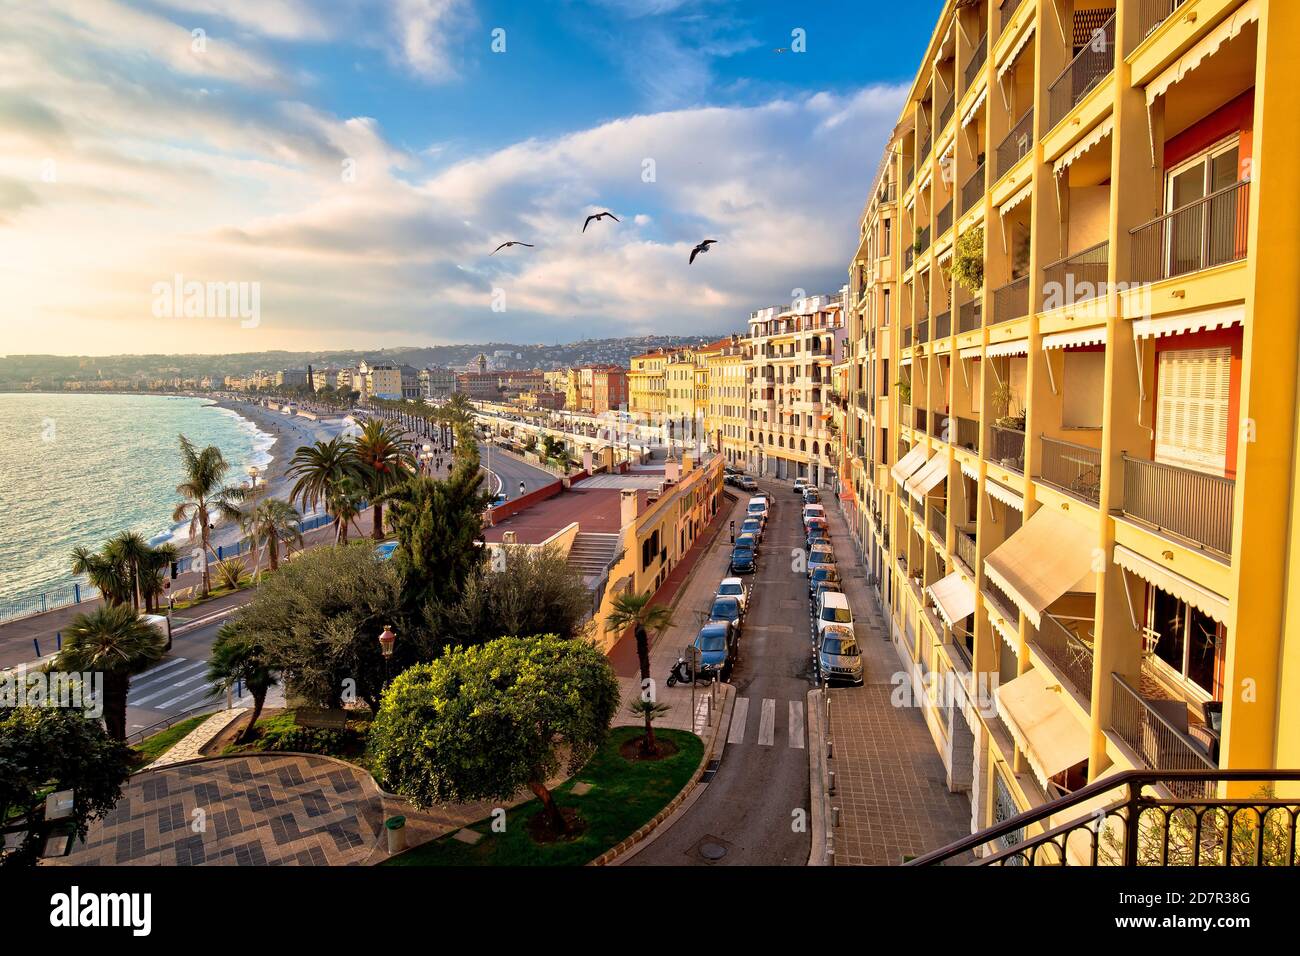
x=204 y=494
x=636 y=611
x=133 y=552
x=382 y=459
x=236 y=658
x=271 y=521
x=345 y=503
x=115 y=641
x=109 y=577
x=154 y=573
x=317 y=470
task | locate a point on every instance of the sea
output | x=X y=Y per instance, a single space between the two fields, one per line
x=76 y=469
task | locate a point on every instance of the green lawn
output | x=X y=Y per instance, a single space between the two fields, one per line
x=624 y=796
x=151 y=748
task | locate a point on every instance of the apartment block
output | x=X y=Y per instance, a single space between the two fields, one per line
x=1068 y=404
x=646 y=388
x=726 y=410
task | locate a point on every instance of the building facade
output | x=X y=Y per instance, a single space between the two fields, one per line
x=646 y=389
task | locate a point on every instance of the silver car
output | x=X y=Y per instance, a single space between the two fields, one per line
x=838 y=655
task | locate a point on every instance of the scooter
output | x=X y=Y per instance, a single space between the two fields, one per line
x=680 y=673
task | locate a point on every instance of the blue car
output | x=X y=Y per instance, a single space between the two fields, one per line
x=717 y=645
x=726 y=609
x=742 y=560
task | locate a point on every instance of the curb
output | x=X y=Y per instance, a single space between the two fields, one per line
x=822 y=851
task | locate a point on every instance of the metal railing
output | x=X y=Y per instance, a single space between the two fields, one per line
x=978 y=56
x=943 y=221
x=1085 y=72
x=920 y=419
x=907 y=337
x=1152 y=13
x=968 y=433
x=1007 y=448
x=966 y=549
x=1073 y=468
x=922 y=330
x=922 y=240
x=1008 y=11
x=936 y=521
x=924 y=149
x=1071 y=656
x=1162 y=743
x=969 y=315
x=1017 y=143
x=1135 y=826
x=1079 y=277
x=909 y=256
x=943 y=325
x=1011 y=301
x=945 y=114
x=1206 y=233
x=910 y=173
x=1188 y=504
x=1001 y=601
x=973 y=190
x=939 y=426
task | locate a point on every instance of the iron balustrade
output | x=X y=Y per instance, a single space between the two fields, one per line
x=922 y=330
x=973 y=191
x=978 y=56
x=1152 y=13
x=1002 y=602
x=1017 y=143
x=922 y=240
x=966 y=550
x=924 y=151
x=943 y=325
x=1209 y=232
x=945 y=114
x=939 y=426
x=911 y=175
x=969 y=315
x=943 y=221
x=1188 y=504
x=922 y=416
x=968 y=433
x=916 y=506
x=1011 y=301
x=1073 y=468
x=1007 y=448
x=1086 y=71
x=1076 y=278
x=1008 y=11
x=1137 y=826
x=937 y=522
x=1071 y=656
x=907 y=336
x=909 y=256
x=1161 y=742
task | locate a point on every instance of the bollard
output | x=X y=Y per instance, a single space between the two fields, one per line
x=58 y=640
x=835 y=817
x=830 y=784
x=37 y=644
x=830 y=749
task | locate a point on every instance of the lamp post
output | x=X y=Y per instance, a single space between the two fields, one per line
x=253 y=473
x=426 y=458
x=386 y=641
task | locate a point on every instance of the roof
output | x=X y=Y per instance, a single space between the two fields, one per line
x=595 y=509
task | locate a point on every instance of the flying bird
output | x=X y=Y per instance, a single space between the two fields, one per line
x=702 y=247
x=512 y=242
x=599 y=216
x=780 y=49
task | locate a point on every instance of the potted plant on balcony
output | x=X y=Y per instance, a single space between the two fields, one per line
x=918 y=245
x=1004 y=399
x=967 y=268
x=904 y=391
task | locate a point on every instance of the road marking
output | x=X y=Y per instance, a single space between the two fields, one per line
x=767 y=723
x=154 y=671
x=152 y=680
x=738 y=717
x=796 y=724
x=139 y=701
x=202 y=691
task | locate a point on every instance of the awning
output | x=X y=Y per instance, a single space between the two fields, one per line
x=906 y=466
x=1017 y=198
x=1248 y=12
x=1050 y=555
x=1005 y=495
x=1200 y=321
x=1204 y=600
x=971 y=351
x=954 y=597
x=1016 y=50
x=945 y=256
x=905 y=361
x=1002 y=349
x=969 y=469
x=925 y=480
x=974 y=108
x=1098 y=133
x=1009 y=630
x=1052 y=738
x=925 y=182
x=1067 y=340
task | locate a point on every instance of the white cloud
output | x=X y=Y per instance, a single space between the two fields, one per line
x=424 y=35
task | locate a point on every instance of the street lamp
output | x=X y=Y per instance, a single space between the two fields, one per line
x=386 y=641
x=426 y=457
x=253 y=472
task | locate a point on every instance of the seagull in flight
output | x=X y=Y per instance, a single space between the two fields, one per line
x=512 y=242
x=702 y=247
x=599 y=216
x=780 y=49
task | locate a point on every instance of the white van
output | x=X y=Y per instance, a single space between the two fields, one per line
x=833 y=608
x=757 y=508
x=812 y=511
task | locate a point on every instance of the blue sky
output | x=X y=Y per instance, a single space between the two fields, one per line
x=133 y=149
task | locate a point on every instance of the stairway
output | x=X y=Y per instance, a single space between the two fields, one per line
x=592 y=552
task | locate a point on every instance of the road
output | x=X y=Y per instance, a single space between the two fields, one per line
x=753 y=805
x=512 y=470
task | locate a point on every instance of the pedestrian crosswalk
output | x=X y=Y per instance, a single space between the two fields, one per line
x=177 y=685
x=763 y=727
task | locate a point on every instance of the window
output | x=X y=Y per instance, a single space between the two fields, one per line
x=1188 y=644
x=1192 y=394
x=1207 y=235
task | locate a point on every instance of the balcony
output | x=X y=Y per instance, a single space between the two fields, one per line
x=920 y=417
x=1074 y=469
x=1003 y=606
x=966 y=550
x=936 y=521
x=1078 y=278
x=910 y=173
x=924 y=150
x=1203 y=234
x=1071 y=655
x=1190 y=505
x=1007 y=448
x=973 y=191
x=1011 y=301
x=978 y=56
x=968 y=433
x=907 y=337
x=1085 y=72
x=943 y=325
x=922 y=331
x=922 y=240
x=945 y=114
x=939 y=427
x=1152 y=13
x=1008 y=11
x=969 y=315
x=943 y=221
x=1156 y=730
x=1017 y=143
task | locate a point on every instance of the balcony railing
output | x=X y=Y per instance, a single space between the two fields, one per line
x=969 y=315
x=910 y=173
x=978 y=56
x=1005 y=607
x=1007 y=448
x=922 y=330
x=1188 y=504
x=1159 y=738
x=1017 y=143
x=973 y=191
x=945 y=114
x=1072 y=656
x=907 y=336
x=943 y=221
x=1011 y=301
x=909 y=256
x=943 y=325
x=1008 y=11
x=968 y=433
x=1072 y=468
x=1076 y=278
x=1206 y=233
x=922 y=240
x=1085 y=72
x=939 y=426
x=966 y=550
x=920 y=417
x=924 y=149
x=1152 y=13
x=937 y=521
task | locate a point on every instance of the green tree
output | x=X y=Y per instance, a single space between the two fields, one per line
x=50 y=748
x=382 y=460
x=636 y=611
x=238 y=657
x=481 y=723
x=111 y=578
x=205 y=497
x=346 y=502
x=320 y=472
x=268 y=522
x=115 y=641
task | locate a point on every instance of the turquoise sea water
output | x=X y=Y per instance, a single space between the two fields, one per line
x=75 y=469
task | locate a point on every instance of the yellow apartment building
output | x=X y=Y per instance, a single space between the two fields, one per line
x=1069 y=400
x=684 y=403
x=727 y=405
x=646 y=390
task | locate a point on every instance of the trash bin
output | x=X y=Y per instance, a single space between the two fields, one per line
x=396 y=827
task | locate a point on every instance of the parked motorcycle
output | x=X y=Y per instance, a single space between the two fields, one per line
x=680 y=673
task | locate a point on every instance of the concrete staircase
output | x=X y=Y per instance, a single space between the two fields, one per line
x=592 y=552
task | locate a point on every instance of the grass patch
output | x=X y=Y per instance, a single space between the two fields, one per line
x=624 y=796
x=278 y=732
x=151 y=748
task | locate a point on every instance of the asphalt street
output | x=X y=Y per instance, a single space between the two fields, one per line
x=511 y=470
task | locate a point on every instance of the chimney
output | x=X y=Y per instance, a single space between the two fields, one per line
x=587 y=460
x=629 y=503
x=672 y=469
x=688 y=463
x=509 y=537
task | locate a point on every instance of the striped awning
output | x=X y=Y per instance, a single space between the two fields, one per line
x=946 y=256
x=1052 y=739
x=1050 y=555
x=1016 y=198
x=1093 y=137
x=906 y=466
x=1009 y=630
x=971 y=351
x=1015 y=347
x=1010 y=61
x=1248 y=12
x=1066 y=340
x=1005 y=495
x=954 y=597
x=925 y=480
x=975 y=108
x=1188 y=591
x=1200 y=321
x=969 y=469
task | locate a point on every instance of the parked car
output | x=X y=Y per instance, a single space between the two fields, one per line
x=800 y=485
x=811 y=512
x=746 y=483
x=816 y=535
x=823 y=574
x=735 y=588
x=749 y=541
x=816 y=524
x=811 y=496
x=727 y=609
x=822 y=557
x=833 y=608
x=815 y=597
x=838 y=655
x=752 y=526
x=758 y=508
x=742 y=560
x=718 y=646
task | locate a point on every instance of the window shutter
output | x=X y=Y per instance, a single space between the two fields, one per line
x=1192 y=408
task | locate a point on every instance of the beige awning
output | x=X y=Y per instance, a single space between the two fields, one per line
x=1248 y=12
x=975 y=108
x=1203 y=320
x=1002 y=349
x=925 y=181
x=1009 y=630
x=925 y=480
x=905 y=361
x=969 y=469
x=954 y=597
x=946 y=255
x=1019 y=196
x=1066 y=340
x=1005 y=495
x=1052 y=738
x=1050 y=555
x=906 y=466
x=1203 y=599
x=1095 y=136
x=971 y=351
x=1016 y=50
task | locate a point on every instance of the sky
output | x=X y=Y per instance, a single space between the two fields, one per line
x=337 y=173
